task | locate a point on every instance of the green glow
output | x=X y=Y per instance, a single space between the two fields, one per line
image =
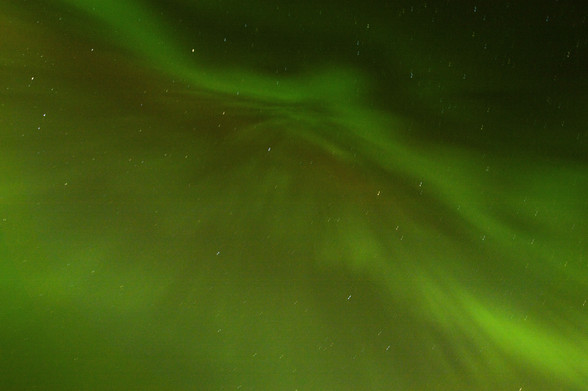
x=293 y=233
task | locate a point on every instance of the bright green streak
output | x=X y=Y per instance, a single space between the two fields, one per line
x=147 y=36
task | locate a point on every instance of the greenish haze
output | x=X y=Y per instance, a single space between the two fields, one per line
x=293 y=196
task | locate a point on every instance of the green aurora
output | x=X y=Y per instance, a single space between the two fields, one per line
x=293 y=196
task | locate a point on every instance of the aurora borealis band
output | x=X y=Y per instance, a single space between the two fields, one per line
x=293 y=195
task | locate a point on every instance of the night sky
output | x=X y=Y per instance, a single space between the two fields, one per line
x=293 y=195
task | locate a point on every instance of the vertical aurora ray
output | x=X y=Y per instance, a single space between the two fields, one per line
x=469 y=265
